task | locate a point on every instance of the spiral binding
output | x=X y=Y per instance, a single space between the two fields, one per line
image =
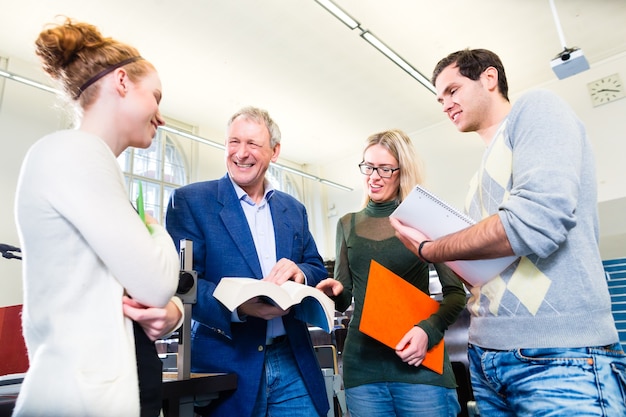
x=445 y=205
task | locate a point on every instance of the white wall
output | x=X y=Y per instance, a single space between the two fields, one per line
x=18 y=130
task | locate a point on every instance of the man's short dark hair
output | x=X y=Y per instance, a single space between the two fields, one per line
x=472 y=63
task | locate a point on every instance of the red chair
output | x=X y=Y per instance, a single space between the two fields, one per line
x=12 y=347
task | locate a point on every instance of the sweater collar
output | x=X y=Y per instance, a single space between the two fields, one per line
x=384 y=209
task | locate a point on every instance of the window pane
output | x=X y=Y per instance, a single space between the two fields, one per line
x=167 y=192
x=147 y=166
x=174 y=166
x=273 y=176
x=152 y=198
x=124 y=160
x=126 y=182
x=147 y=162
x=281 y=181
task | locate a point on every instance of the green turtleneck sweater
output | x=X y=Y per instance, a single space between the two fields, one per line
x=367 y=235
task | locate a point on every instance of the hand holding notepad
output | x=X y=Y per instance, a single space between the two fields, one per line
x=434 y=218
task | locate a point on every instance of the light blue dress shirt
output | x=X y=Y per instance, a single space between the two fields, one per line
x=259 y=219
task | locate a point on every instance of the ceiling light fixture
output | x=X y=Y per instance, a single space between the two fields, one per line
x=334 y=184
x=44 y=87
x=192 y=137
x=26 y=81
x=296 y=171
x=339 y=13
x=376 y=43
x=389 y=53
x=570 y=61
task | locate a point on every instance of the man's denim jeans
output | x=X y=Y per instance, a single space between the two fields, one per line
x=282 y=392
x=549 y=382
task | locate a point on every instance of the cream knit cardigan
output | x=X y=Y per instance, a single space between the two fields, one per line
x=83 y=246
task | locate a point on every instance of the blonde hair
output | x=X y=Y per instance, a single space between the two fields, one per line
x=400 y=147
x=73 y=53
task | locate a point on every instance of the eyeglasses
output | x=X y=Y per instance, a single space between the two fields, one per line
x=383 y=172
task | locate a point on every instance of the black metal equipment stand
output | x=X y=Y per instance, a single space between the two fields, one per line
x=187 y=291
x=182 y=395
x=7 y=250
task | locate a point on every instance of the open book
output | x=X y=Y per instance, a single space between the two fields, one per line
x=310 y=305
x=435 y=218
x=392 y=307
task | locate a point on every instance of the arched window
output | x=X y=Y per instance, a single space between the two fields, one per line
x=160 y=168
x=282 y=181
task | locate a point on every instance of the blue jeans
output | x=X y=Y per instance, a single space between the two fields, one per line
x=282 y=392
x=388 y=399
x=549 y=382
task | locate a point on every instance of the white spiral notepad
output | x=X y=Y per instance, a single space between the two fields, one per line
x=435 y=218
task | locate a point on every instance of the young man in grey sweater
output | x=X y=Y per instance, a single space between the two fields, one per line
x=542 y=336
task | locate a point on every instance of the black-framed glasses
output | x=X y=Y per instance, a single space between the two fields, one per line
x=383 y=172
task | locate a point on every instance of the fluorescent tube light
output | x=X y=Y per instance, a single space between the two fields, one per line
x=193 y=137
x=389 y=53
x=34 y=84
x=338 y=13
x=295 y=171
x=376 y=43
x=334 y=184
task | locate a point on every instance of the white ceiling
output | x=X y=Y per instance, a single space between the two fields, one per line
x=326 y=87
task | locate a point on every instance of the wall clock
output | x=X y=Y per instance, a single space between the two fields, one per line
x=606 y=90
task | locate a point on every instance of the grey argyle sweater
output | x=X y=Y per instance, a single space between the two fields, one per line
x=538 y=175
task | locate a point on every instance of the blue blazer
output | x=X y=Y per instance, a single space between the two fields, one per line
x=209 y=214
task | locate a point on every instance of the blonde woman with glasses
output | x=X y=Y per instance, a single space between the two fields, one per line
x=380 y=381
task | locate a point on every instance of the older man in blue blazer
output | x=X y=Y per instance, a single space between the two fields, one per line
x=241 y=227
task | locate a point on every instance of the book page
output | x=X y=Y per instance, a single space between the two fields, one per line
x=314 y=307
x=311 y=305
x=232 y=292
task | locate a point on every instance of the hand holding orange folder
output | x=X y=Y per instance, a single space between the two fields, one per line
x=392 y=307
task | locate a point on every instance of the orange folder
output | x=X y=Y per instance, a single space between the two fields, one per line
x=392 y=307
